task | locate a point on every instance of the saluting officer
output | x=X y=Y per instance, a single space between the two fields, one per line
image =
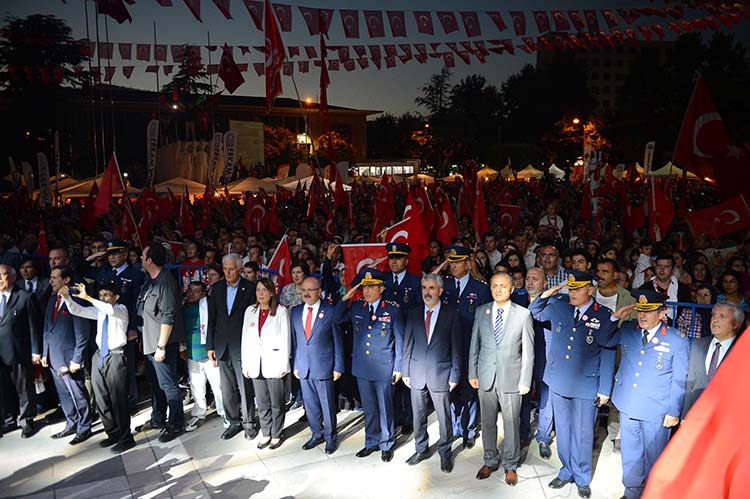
x=127 y=281
x=376 y=358
x=578 y=372
x=464 y=292
x=404 y=288
x=649 y=385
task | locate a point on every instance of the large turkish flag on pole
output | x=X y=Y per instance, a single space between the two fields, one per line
x=703 y=146
x=708 y=438
x=729 y=216
x=274 y=56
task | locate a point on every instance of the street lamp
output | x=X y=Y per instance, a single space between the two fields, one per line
x=576 y=121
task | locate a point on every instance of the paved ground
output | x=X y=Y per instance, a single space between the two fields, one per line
x=200 y=465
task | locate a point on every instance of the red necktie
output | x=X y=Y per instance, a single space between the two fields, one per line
x=308 y=323
x=57 y=307
x=427 y=324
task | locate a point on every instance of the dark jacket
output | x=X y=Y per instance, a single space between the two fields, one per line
x=225 y=329
x=20 y=328
x=323 y=353
x=65 y=339
x=435 y=364
x=158 y=304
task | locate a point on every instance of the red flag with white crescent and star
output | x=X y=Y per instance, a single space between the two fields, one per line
x=729 y=216
x=280 y=262
x=703 y=146
x=274 y=56
x=445 y=227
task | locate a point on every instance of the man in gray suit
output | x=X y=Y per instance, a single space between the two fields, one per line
x=501 y=362
x=709 y=352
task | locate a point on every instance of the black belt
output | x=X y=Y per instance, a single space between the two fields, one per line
x=113 y=350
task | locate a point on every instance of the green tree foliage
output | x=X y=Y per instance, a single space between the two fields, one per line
x=436 y=92
x=280 y=146
x=191 y=83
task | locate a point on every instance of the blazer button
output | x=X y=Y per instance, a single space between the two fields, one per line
x=640 y=363
x=570 y=347
x=637 y=374
x=567 y=356
x=367 y=344
x=369 y=327
x=369 y=335
x=572 y=338
x=643 y=352
x=574 y=330
x=367 y=352
x=635 y=385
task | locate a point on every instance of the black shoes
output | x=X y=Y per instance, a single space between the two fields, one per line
x=277 y=444
x=81 y=437
x=312 y=443
x=65 y=433
x=123 y=445
x=330 y=448
x=109 y=441
x=251 y=433
x=386 y=456
x=150 y=425
x=544 y=451
x=170 y=433
x=407 y=429
x=29 y=430
x=263 y=444
x=558 y=484
x=446 y=464
x=231 y=432
x=469 y=443
x=417 y=458
x=584 y=491
x=366 y=451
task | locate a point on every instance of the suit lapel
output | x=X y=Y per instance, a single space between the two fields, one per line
x=241 y=290
x=317 y=320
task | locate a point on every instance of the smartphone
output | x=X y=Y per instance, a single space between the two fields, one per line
x=74 y=291
x=299 y=241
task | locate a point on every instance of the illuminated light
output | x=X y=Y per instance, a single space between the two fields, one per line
x=427 y=125
x=308 y=100
x=125 y=174
x=576 y=121
x=174 y=106
x=303 y=138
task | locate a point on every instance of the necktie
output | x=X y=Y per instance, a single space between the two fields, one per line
x=308 y=322
x=57 y=307
x=498 y=326
x=577 y=316
x=427 y=324
x=644 y=340
x=104 y=347
x=29 y=286
x=3 y=302
x=395 y=283
x=372 y=312
x=714 y=364
x=458 y=288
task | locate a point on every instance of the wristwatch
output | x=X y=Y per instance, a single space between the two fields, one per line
x=159 y=347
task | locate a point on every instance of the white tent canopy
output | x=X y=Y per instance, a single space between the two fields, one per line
x=507 y=173
x=177 y=186
x=306 y=184
x=82 y=189
x=557 y=172
x=671 y=170
x=250 y=184
x=487 y=173
x=530 y=172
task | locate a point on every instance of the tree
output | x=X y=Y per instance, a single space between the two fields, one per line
x=436 y=93
x=333 y=139
x=390 y=137
x=280 y=146
x=478 y=105
x=190 y=80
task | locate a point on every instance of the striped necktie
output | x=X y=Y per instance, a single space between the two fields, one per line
x=499 y=326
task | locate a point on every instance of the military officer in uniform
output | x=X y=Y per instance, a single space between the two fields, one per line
x=464 y=292
x=649 y=385
x=376 y=359
x=128 y=281
x=578 y=372
x=402 y=287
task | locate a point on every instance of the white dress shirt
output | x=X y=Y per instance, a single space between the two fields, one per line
x=722 y=350
x=506 y=310
x=433 y=319
x=118 y=320
x=315 y=307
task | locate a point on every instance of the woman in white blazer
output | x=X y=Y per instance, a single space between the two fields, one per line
x=266 y=349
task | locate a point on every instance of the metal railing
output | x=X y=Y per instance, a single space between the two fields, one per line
x=676 y=306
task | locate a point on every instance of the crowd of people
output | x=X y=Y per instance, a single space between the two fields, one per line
x=544 y=319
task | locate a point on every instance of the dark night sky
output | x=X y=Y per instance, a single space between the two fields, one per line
x=391 y=90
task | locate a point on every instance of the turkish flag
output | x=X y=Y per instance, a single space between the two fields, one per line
x=255 y=9
x=106 y=49
x=542 y=21
x=195 y=8
x=591 y=21
x=610 y=18
x=471 y=23
x=42 y=247
x=127 y=71
x=660 y=209
x=229 y=72
x=223 y=6
x=283 y=12
x=256 y=218
x=510 y=215
x=397 y=22
x=411 y=231
x=445 y=229
x=629 y=15
x=358 y=256
x=110 y=183
x=374 y=22
x=448 y=21
x=126 y=51
x=350 y=22
x=497 y=18
x=479 y=216
x=186 y=219
x=424 y=22
x=579 y=22
x=88 y=220
x=281 y=262
x=384 y=203
x=561 y=22
x=274 y=55
x=707 y=437
x=115 y=9
x=703 y=146
x=519 y=22
x=730 y=216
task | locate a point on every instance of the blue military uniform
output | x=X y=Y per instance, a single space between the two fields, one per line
x=649 y=384
x=405 y=289
x=464 y=398
x=578 y=368
x=378 y=341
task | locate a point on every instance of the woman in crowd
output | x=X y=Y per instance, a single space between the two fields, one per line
x=515 y=259
x=698 y=325
x=291 y=294
x=481 y=265
x=191 y=271
x=266 y=349
x=680 y=270
x=435 y=258
x=732 y=290
x=213 y=274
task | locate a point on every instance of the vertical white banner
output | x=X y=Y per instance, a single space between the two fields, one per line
x=230 y=149
x=152 y=142
x=214 y=162
x=44 y=193
x=648 y=158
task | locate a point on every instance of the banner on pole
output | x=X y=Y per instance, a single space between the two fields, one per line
x=215 y=151
x=230 y=149
x=45 y=198
x=648 y=158
x=152 y=142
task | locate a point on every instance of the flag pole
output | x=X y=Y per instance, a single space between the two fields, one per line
x=304 y=118
x=127 y=204
x=91 y=93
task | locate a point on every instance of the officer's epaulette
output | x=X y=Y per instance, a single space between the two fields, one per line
x=560 y=297
x=356 y=300
x=391 y=303
x=480 y=280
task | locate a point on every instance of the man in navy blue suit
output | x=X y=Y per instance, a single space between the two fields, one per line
x=376 y=358
x=65 y=339
x=432 y=368
x=318 y=362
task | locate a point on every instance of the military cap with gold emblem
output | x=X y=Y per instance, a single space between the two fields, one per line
x=648 y=300
x=577 y=279
x=116 y=246
x=458 y=253
x=397 y=250
x=369 y=277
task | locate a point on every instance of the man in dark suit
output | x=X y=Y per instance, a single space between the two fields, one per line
x=226 y=312
x=464 y=293
x=65 y=339
x=33 y=282
x=709 y=352
x=20 y=344
x=318 y=349
x=432 y=368
x=501 y=362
